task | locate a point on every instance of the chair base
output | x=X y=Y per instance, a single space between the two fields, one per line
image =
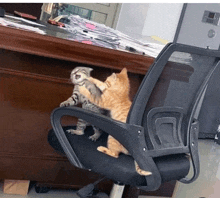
x=117 y=191
x=88 y=191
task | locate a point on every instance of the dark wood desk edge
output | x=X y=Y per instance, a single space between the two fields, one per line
x=53 y=47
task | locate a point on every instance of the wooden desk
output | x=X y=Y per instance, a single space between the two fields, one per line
x=34 y=79
x=62 y=49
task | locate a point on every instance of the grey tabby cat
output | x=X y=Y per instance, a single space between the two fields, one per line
x=78 y=77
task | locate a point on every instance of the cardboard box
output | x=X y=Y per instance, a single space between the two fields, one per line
x=17 y=187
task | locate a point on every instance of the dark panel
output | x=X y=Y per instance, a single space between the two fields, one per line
x=28 y=8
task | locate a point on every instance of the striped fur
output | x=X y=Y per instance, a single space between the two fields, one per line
x=115 y=97
x=78 y=78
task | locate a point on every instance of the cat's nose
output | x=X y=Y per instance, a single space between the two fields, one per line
x=77 y=77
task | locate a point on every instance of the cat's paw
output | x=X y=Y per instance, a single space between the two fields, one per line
x=102 y=88
x=76 y=132
x=141 y=171
x=107 y=151
x=90 y=79
x=94 y=137
x=64 y=104
x=144 y=173
x=96 y=134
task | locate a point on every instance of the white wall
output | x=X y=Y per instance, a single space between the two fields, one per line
x=162 y=20
x=131 y=18
x=149 y=19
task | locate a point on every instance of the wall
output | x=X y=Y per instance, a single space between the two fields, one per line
x=131 y=18
x=149 y=19
x=162 y=20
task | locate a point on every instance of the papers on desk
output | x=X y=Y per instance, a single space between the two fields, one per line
x=25 y=20
x=89 y=32
x=8 y=23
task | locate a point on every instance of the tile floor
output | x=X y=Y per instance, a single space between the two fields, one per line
x=208 y=183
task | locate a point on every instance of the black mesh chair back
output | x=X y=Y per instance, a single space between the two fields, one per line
x=162 y=126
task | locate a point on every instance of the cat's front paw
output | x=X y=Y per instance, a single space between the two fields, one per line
x=102 y=88
x=65 y=104
x=90 y=79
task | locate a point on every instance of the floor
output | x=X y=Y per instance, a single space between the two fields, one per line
x=206 y=186
x=208 y=183
x=54 y=193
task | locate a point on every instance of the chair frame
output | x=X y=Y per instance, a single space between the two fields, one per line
x=132 y=133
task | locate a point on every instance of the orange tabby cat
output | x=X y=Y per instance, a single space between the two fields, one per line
x=115 y=97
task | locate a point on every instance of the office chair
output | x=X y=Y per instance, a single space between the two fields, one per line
x=161 y=132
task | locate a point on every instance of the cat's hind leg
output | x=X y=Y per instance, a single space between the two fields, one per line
x=114 y=147
x=81 y=126
x=96 y=135
x=112 y=153
x=141 y=171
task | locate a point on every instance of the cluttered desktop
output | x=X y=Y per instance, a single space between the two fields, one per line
x=76 y=28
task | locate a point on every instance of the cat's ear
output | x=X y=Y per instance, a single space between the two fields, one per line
x=114 y=76
x=90 y=69
x=124 y=71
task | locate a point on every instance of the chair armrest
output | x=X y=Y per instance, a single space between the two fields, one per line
x=115 y=128
x=129 y=135
x=193 y=147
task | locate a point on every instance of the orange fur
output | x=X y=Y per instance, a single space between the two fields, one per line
x=115 y=97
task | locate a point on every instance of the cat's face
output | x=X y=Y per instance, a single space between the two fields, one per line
x=79 y=74
x=111 y=80
x=118 y=81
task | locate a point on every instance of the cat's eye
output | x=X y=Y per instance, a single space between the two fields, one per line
x=77 y=76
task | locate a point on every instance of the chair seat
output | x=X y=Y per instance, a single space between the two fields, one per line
x=121 y=169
